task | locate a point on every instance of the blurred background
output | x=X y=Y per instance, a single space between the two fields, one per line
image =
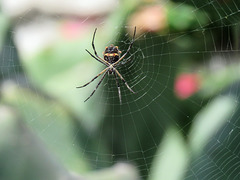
x=182 y=123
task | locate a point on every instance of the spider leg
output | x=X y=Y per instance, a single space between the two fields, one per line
x=93 y=78
x=130 y=46
x=118 y=86
x=103 y=62
x=93 y=46
x=123 y=80
x=97 y=86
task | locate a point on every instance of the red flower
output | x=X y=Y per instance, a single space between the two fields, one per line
x=186 y=85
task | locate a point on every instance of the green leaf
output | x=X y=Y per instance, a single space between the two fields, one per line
x=182 y=17
x=119 y=171
x=4 y=24
x=214 y=82
x=22 y=155
x=171 y=159
x=50 y=122
x=59 y=70
x=209 y=121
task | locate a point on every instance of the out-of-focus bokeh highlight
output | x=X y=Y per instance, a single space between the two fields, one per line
x=189 y=53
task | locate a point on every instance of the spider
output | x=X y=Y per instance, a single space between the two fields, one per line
x=111 y=60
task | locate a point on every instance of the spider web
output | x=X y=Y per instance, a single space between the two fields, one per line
x=133 y=131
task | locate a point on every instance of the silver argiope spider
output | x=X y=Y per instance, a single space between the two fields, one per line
x=111 y=60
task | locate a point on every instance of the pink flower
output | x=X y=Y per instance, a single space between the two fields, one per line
x=186 y=85
x=72 y=29
x=151 y=18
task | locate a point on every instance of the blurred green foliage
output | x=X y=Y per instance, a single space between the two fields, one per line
x=22 y=155
x=161 y=134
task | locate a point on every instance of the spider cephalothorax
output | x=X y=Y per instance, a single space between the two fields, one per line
x=111 y=60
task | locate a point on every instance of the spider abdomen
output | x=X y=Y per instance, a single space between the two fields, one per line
x=111 y=54
x=111 y=57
